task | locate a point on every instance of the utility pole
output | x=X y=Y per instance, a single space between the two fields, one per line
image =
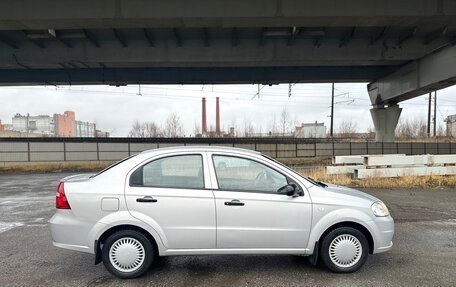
x=435 y=113
x=27 y=124
x=429 y=116
x=332 y=111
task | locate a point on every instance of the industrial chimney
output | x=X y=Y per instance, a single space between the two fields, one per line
x=203 y=123
x=217 y=117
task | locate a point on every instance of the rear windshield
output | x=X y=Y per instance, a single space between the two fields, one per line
x=113 y=165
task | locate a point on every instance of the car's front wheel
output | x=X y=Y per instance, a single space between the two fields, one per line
x=344 y=250
x=127 y=254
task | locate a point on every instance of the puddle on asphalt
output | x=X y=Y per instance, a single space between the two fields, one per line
x=5 y=226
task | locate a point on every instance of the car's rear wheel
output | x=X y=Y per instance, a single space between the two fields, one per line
x=344 y=250
x=127 y=254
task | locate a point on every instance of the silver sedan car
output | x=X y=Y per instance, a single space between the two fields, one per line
x=214 y=200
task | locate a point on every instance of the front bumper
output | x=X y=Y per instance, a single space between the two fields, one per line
x=383 y=232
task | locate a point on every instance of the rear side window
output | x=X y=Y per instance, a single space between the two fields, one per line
x=183 y=171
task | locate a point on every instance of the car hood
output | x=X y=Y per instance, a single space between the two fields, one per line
x=337 y=189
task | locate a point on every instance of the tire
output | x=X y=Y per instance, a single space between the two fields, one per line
x=349 y=250
x=127 y=254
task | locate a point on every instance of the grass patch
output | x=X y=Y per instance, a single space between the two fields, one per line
x=408 y=181
x=305 y=161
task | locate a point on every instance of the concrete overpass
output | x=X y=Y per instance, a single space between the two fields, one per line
x=404 y=48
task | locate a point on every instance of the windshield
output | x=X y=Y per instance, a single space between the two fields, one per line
x=113 y=165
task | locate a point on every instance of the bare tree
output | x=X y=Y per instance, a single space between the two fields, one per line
x=441 y=131
x=196 y=129
x=136 y=130
x=285 y=121
x=248 y=128
x=347 y=128
x=407 y=129
x=273 y=125
x=145 y=129
x=152 y=129
x=173 y=126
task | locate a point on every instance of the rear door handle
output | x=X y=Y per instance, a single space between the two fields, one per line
x=146 y=199
x=234 y=202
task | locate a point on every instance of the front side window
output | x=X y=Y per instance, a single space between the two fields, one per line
x=183 y=171
x=241 y=174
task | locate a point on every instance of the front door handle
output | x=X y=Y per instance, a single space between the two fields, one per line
x=146 y=199
x=234 y=202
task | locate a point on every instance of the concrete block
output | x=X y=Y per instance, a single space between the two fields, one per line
x=342 y=169
x=412 y=160
x=396 y=172
x=348 y=159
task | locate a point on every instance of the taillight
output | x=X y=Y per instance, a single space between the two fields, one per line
x=60 y=198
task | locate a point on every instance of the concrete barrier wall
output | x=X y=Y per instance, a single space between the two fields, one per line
x=23 y=150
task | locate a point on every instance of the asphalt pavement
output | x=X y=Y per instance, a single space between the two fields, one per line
x=424 y=253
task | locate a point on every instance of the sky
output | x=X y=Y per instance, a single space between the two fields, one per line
x=114 y=109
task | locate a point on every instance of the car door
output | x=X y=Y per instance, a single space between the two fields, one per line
x=170 y=193
x=250 y=212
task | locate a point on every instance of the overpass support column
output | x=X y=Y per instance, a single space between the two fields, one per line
x=385 y=121
x=429 y=73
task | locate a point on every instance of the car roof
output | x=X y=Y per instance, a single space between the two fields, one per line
x=201 y=148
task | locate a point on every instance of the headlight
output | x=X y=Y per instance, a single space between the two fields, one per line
x=379 y=209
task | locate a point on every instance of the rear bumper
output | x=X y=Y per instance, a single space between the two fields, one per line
x=69 y=232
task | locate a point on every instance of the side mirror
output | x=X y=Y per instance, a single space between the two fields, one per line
x=290 y=190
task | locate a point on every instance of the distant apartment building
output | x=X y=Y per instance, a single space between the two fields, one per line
x=65 y=124
x=451 y=125
x=310 y=130
x=85 y=129
x=59 y=125
x=42 y=124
